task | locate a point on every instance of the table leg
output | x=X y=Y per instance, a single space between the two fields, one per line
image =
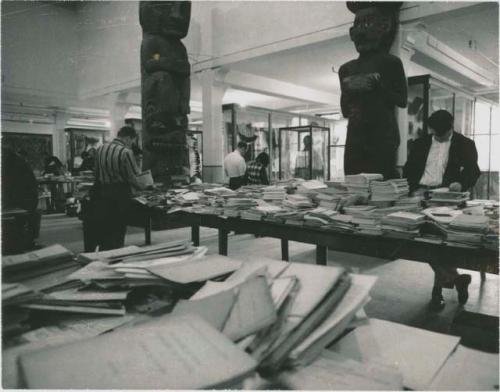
x=321 y=254
x=284 y=249
x=223 y=233
x=147 y=230
x=195 y=235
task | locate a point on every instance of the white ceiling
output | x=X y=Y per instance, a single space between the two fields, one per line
x=472 y=32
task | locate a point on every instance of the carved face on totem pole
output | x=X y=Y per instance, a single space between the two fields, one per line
x=165 y=72
x=374 y=25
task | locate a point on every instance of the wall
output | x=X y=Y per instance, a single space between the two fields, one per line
x=110 y=37
x=38 y=48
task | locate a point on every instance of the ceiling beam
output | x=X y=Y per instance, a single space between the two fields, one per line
x=410 y=12
x=274 y=87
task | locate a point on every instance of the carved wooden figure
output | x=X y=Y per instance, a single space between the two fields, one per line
x=372 y=86
x=165 y=73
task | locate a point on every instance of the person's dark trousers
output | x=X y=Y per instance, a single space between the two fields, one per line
x=105 y=223
x=236 y=182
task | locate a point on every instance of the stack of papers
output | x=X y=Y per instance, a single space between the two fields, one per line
x=178 y=352
x=402 y=224
x=237 y=202
x=329 y=197
x=443 y=196
x=392 y=190
x=274 y=193
x=20 y=267
x=297 y=202
x=319 y=216
x=16 y=294
x=360 y=184
x=467 y=230
x=342 y=222
x=221 y=191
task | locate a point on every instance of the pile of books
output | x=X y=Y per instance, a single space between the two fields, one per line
x=360 y=184
x=319 y=216
x=298 y=202
x=259 y=212
x=265 y=316
x=274 y=193
x=443 y=196
x=330 y=197
x=20 y=267
x=342 y=223
x=411 y=201
x=467 y=229
x=402 y=224
x=389 y=191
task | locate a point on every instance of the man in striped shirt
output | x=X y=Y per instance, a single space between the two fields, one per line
x=115 y=173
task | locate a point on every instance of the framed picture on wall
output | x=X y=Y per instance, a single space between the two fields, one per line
x=33 y=147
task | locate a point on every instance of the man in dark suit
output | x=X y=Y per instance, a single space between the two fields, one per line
x=443 y=159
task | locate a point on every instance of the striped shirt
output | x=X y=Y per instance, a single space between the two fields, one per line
x=115 y=163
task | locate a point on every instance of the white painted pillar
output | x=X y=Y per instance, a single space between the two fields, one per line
x=59 y=137
x=117 y=112
x=213 y=127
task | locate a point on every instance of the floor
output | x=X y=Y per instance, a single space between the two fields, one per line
x=401 y=293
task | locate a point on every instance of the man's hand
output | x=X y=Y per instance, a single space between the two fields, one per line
x=455 y=187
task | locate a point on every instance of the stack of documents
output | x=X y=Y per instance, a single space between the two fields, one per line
x=274 y=193
x=16 y=294
x=360 y=184
x=392 y=190
x=297 y=202
x=329 y=197
x=220 y=191
x=20 y=267
x=237 y=202
x=467 y=229
x=443 y=196
x=413 y=201
x=176 y=352
x=342 y=222
x=319 y=216
x=402 y=224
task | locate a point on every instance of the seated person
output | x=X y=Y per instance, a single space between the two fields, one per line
x=443 y=159
x=257 y=170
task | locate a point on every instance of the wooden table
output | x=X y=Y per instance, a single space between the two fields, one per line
x=478 y=259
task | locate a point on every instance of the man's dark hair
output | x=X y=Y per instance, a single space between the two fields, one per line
x=127 y=131
x=242 y=145
x=441 y=121
x=263 y=158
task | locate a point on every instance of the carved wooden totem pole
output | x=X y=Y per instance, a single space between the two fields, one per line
x=165 y=73
x=372 y=86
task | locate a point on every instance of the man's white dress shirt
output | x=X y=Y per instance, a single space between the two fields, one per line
x=234 y=164
x=436 y=163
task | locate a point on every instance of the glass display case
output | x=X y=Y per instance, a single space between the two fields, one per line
x=80 y=140
x=259 y=128
x=304 y=152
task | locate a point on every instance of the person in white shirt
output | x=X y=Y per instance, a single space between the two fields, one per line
x=235 y=166
x=443 y=159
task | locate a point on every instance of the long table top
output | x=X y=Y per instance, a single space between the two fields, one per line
x=383 y=246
